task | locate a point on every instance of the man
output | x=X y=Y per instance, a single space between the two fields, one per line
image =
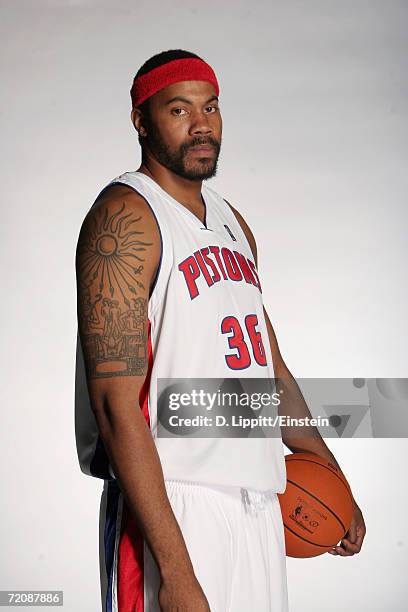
x=168 y=288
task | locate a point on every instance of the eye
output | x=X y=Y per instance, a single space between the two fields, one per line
x=173 y=110
x=213 y=107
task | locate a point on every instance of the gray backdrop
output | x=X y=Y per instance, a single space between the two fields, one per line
x=314 y=100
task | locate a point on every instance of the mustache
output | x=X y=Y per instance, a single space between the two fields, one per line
x=197 y=142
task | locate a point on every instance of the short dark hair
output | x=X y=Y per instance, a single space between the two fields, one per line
x=154 y=62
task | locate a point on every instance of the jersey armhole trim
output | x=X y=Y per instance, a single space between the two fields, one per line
x=240 y=227
x=159 y=266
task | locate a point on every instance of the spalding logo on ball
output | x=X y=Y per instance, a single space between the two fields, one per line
x=317 y=505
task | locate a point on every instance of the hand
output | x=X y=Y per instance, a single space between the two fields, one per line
x=352 y=541
x=182 y=594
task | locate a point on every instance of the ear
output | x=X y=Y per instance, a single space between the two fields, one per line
x=136 y=118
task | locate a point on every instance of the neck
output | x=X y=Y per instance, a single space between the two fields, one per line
x=183 y=190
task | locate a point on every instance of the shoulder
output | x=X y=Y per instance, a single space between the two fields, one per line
x=127 y=198
x=121 y=205
x=246 y=229
x=121 y=216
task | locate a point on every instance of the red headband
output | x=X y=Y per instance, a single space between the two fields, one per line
x=187 y=69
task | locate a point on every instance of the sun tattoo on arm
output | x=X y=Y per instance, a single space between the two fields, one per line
x=112 y=307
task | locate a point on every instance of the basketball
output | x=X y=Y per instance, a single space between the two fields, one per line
x=317 y=505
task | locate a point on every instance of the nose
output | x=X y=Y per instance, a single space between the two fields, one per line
x=200 y=124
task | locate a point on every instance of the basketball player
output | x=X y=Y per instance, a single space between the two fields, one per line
x=168 y=288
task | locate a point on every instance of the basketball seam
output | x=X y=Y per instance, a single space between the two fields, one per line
x=307 y=541
x=326 y=468
x=320 y=502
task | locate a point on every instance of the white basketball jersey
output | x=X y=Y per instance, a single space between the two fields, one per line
x=206 y=320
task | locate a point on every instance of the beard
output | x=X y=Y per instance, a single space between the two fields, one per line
x=180 y=162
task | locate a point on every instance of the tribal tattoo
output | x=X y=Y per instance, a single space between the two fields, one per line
x=112 y=315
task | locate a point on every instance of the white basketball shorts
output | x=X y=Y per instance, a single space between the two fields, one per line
x=235 y=539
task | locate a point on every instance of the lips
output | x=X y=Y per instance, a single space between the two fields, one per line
x=203 y=148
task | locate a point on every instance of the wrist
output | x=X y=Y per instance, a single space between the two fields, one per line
x=177 y=571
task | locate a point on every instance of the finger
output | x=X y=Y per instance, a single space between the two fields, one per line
x=343 y=552
x=359 y=540
x=350 y=546
x=351 y=535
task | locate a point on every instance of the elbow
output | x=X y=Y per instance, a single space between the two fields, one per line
x=103 y=412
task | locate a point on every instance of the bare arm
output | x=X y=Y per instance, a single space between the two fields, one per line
x=294 y=398
x=117 y=256
x=294 y=404
x=297 y=439
x=308 y=440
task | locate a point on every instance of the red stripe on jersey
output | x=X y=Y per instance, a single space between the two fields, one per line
x=130 y=574
x=130 y=578
x=144 y=391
